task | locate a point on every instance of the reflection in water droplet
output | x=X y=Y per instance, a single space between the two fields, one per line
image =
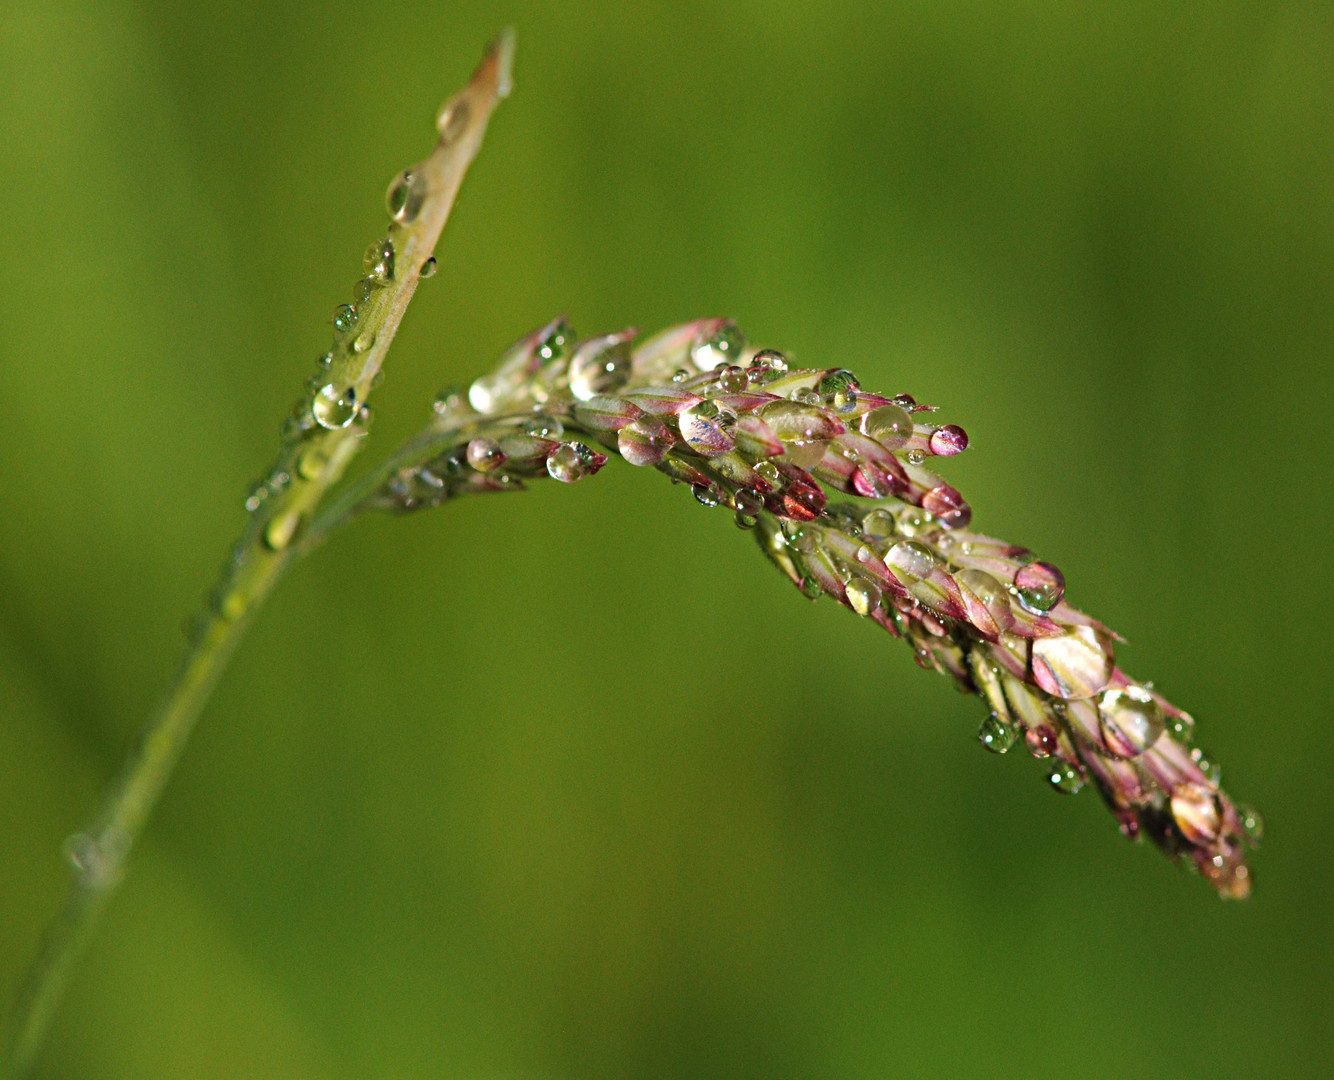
x=706 y=495
x=570 y=461
x=949 y=440
x=766 y=364
x=542 y=426
x=996 y=735
x=1041 y=740
x=707 y=427
x=913 y=559
x=1209 y=765
x=1196 y=812
x=485 y=454
x=878 y=524
x=811 y=588
x=1041 y=586
x=769 y=472
x=278 y=533
x=915 y=457
x=863 y=595
x=644 y=441
x=724 y=347
x=1065 y=778
x=1252 y=823
x=889 y=425
x=839 y=388
x=364 y=341
x=1076 y=663
x=379 y=261
x=334 y=407
x=733 y=380
x=1182 y=727
x=1131 y=720
x=344 y=318
x=404 y=199
x=600 y=367
x=429 y=267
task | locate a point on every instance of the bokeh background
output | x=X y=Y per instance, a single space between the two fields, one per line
x=571 y=784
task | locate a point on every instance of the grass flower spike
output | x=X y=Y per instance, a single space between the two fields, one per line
x=838 y=486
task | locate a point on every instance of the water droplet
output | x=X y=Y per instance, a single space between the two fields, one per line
x=1041 y=741
x=1207 y=764
x=364 y=341
x=344 y=318
x=485 y=454
x=680 y=375
x=1131 y=720
x=804 y=395
x=996 y=735
x=334 y=407
x=839 y=388
x=448 y=400
x=913 y=559
x=915 y=457
x=600 y=367
x=404 y=199
x=379 y=261
x=986 y=590
x=256 y=499
x=310 y=465
x=746 y=521
x=863 y=595
x=889 y=425
x=747 y=502
x=914 y=521
x=803 y=540
x=1196 y=812
x=1040 y=585
x=810 y=588
x=723 y=347
x=733 y=380
x=429 y=267
x=1182 y=727
x=707 y=428
x=453 y=118
x=707 y=495
x=878 y=524
x=765 y=365
x=1065 y=778
x=278 y=532
x=558 y=343
x=1252 y=823
x=1076 y=663
x=769 y=472
x=947 y=506
x=542 y=426
x=949 y=440
x=644 y=441
x=570 y=461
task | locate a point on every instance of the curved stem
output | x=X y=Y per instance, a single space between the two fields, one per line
x=427 y=195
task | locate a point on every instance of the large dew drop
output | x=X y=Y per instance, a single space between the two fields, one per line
x=911 y=559
x=334 y=407
x=1196 y=812
x=863 y=595
x=600 y=366
x=407 y=193
x=1040 y=586
x=571 y=461
x=1076 y=663
x=724 y=347
x=889 y=425
x=1131 y=721
x=707 y=428
x=996 y=735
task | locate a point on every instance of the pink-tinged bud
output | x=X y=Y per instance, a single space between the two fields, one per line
x=683 y=472
x=800 y=499
x=948 y=440
x=755 y=438
x=1076 y=663
x=744 y=403
x=601 y=414
x=1196 y=812
x=601 y=365
x=526 y=451
x=948 y=506
x=645 y=441
x=794 y=421
x=663 y=400
x=985 y=601
x=871 y=482
x=657 y=358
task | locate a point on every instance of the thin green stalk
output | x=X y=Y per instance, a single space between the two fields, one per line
x=324 y=436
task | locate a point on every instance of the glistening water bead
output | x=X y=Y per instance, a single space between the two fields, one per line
x=407 y=193
x=863 y=595
x=996 y=735
x=344 y=318
x=1040 y=586
x=570 y=461
x=1131 y=721
x=724 y=347
x=889 y=425
x=334 y=407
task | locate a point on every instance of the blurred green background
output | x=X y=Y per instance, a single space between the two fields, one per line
x=571 y=784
